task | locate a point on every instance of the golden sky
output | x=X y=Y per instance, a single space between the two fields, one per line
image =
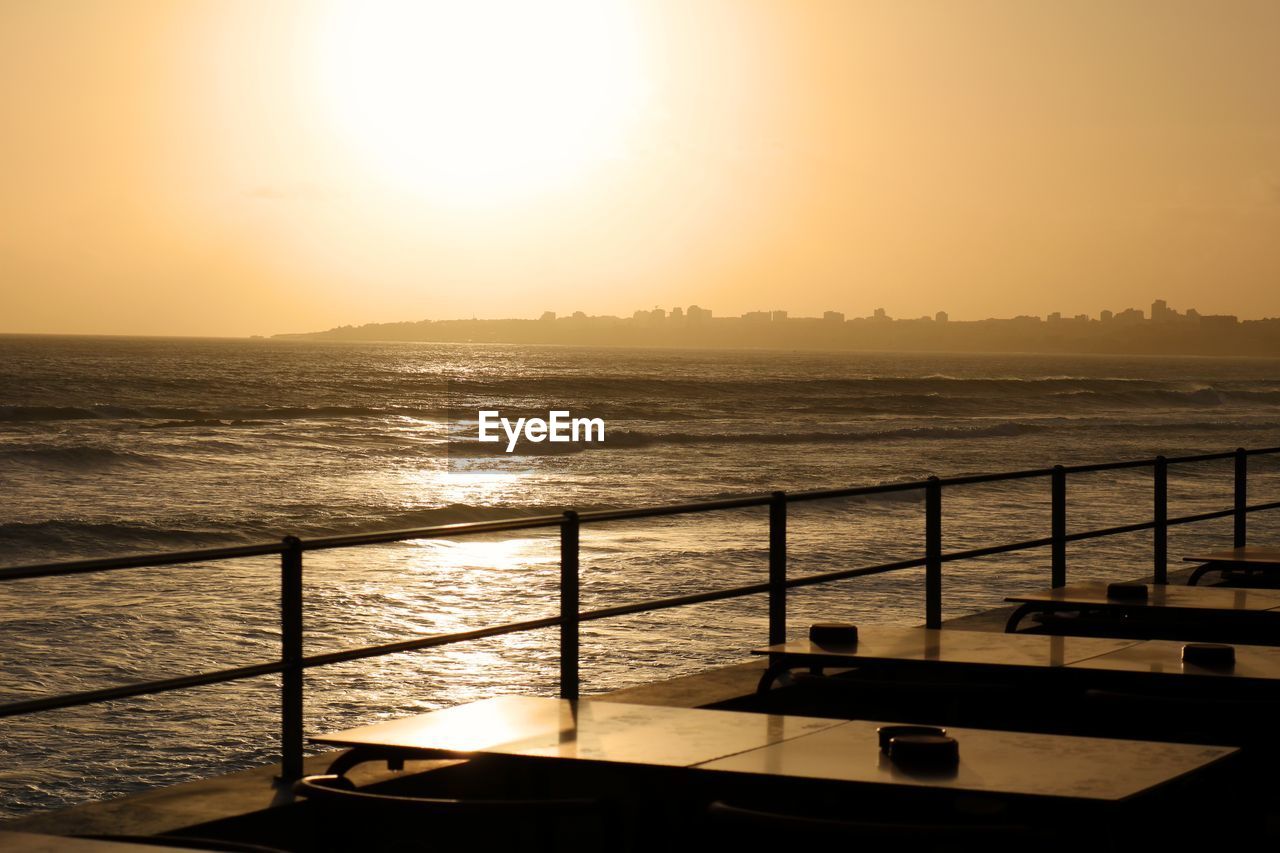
x=242 y=167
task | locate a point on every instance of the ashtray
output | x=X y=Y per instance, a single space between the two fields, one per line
x=1209 y=654
x=1127 y=591
x=833 y=634
x=888 y=733
x=924 y=751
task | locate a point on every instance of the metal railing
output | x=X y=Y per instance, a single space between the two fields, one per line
x=293 y=662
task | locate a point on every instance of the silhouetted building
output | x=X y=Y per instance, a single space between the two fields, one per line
x=833 y=316
x=941 y=317
x=1160 y=311
x=1106 y=316
x=757 y=316
x=548 y=315
x=698 y=314
x=1055 y=317
x=677 y=313
x=777 y=316
x=1218 y=322
x=880 y=314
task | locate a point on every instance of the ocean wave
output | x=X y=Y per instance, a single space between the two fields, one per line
x=231 y=415
x=72 y=539
x=673 y=399
x=639 y=439
x=663 y=399
x=75 y=458
x=85 y=538
x=937 y=383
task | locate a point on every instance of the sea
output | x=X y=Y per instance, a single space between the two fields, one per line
x=113 y=446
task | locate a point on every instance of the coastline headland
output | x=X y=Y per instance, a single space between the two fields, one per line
x=1130 y=332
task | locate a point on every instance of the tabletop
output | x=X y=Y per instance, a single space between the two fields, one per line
x=1248 y=555
x=877 y=643
x=994 y=762
x=1159 y=596
x=582 y=729
x=1165 y=656
x=784 y=746
x=30 y=842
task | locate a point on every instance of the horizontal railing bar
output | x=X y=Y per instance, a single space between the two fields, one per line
x=969 y=479
x=172 y=558
x=1261 y=507
x=1116 y=466
x=845 y=574
x=675 y=601
x=673 y=509
x=991 y=550
x=549 y=521
x=142 y=688
x=502 y=525
x=432 y=641
x=854 y=491
x=1200 y=457
x=1203 y=516
x=1110 y=531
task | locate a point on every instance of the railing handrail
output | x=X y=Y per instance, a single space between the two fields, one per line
x=534 y=522
x=293 y=662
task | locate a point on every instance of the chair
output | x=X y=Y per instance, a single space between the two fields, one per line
x=1177 y=716
x=368 y=817
x=761 y=826
x=186 y=842
x=884 y=696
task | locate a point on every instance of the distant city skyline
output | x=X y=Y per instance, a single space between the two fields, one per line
x=1166 y=331
x=1160 y=311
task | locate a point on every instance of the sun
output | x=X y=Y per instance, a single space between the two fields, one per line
x=476 y=102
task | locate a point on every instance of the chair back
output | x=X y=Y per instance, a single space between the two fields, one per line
x=383 y=821
x=770 y=826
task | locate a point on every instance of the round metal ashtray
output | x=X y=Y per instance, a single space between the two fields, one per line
x=1209 y=654
x=888 y=733
x=1127 y=591
x=924 y=751
x=833 y=634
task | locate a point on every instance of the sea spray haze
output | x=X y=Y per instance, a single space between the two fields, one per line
x=111 y=446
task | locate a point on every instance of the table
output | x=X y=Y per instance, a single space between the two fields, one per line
x=947 y=647
x=1250 y=558
x=1254 y=665
x=782 y=747
x=1195 y=605
x=30 y=842
x=611 y=732
x=992 y=762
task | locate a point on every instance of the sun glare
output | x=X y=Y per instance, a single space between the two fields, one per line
x=483 y=101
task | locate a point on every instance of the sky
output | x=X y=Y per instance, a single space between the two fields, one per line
x=233 y=167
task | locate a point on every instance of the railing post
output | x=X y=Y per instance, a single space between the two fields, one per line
x=1160 y=533
x=291 y=657
x=569 y=606
x=1241 y=496
x=778 y=568
x=1058 y=525
x=933 y=553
